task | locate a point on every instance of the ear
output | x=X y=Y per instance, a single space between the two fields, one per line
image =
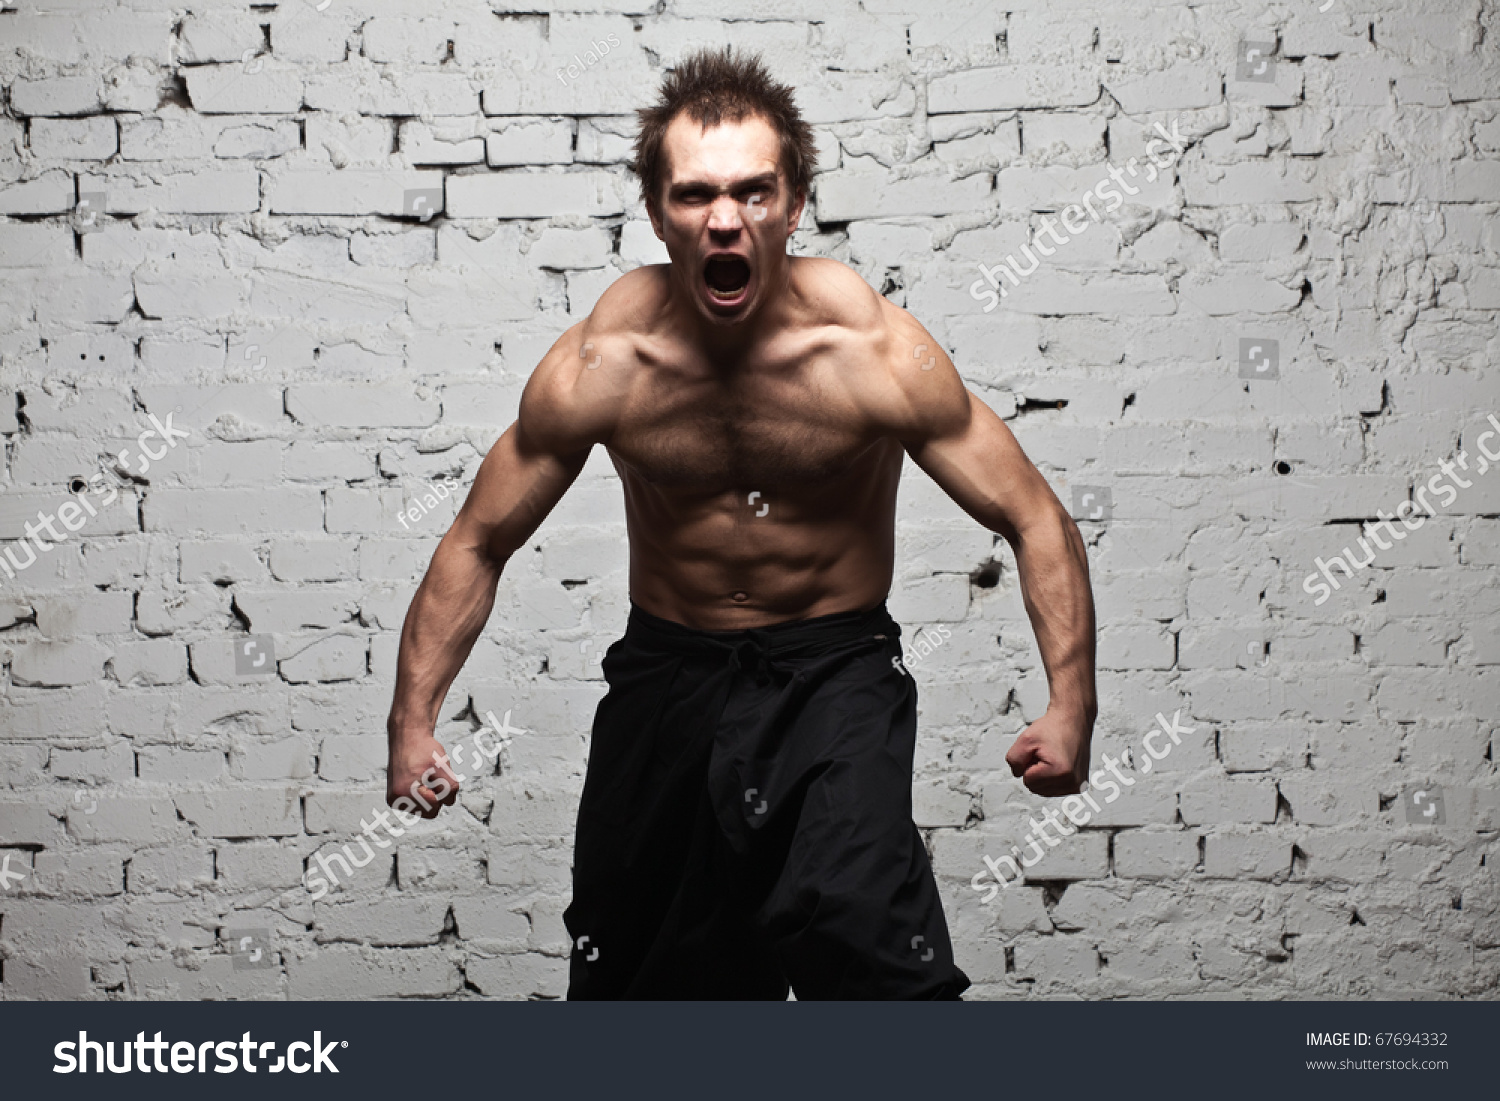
x=654 y=213
x=794 y=213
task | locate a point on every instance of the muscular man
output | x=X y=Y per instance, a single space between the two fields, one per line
x=746 y=820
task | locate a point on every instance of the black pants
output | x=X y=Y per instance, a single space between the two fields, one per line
x=746 y=819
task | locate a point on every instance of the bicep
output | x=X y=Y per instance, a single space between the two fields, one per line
x=564 y=411
x=982 y=467
x=518 y=484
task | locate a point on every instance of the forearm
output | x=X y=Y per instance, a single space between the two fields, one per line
x=447 y=614
x=1054 y=571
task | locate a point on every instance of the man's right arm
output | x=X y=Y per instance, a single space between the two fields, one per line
x=524 y=475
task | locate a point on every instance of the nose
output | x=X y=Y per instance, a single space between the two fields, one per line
x=724 y=214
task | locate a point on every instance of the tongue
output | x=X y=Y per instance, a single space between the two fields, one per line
x=727 y=276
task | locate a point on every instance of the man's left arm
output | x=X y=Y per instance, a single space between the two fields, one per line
x=969 y=452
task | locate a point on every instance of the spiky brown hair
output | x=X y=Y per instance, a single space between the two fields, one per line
x=714 y=86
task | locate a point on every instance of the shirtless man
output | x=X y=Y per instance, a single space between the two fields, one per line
x=746 y=821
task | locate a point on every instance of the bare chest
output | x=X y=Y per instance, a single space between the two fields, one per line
x=721 y=435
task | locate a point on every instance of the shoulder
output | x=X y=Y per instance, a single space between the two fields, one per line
x=833 y=293
x=930 y=398
x=575 y=393
x=632 y=303
x=905 y=381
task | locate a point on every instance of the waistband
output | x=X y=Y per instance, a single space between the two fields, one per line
x=798 y=636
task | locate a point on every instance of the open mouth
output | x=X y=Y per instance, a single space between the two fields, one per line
x=726 y=277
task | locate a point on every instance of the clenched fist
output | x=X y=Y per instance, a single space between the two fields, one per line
x=419 y=779
x=1052 y=754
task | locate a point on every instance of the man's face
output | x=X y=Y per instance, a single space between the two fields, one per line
x=724 y=214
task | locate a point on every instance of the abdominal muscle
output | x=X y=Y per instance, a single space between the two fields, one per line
x=733 y=559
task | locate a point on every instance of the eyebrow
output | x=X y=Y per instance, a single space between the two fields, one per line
x=765 y=179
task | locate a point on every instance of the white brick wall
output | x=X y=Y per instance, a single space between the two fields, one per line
x=252 y=260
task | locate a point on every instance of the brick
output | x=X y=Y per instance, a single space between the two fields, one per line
x=232 y=813
x=218 y=36
x=603 y=141
x=345 y=758
x=312 y=560
x=936 y=804
x=520 y=194
x=218 y=560
x=358 y=510
x=1057 y=958
x=530 y=141
x=235 y=511
x=234 y=89
x=1209 y=800
x=847 y=196
x=90 y=139
x=48 y=193
x=62 y=95
x=1320 y=803
x=387 y=405
x=58 y=664
x=178 y=868
x=112 y=763
x=64 y=975
x=213 y=978
x=348 y=191
x=285 y=759
x=230 y=191
x=408 y=41
x=381 y=922
x=1182 y=87
x=82 y=873
x=1246 y=856
x=404 y=94
x=282 y=611
x=345 y=972
x=1011 y=87
x=75 y=615
x=171 y=764
x=519 y=976
x=1247 y=184
x=564 y=248
x=240 y=406
x=25 y=244
x=23 y=765
x=130 y=818
x=1155 y=854
x=481 y=920
x=258 y=866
